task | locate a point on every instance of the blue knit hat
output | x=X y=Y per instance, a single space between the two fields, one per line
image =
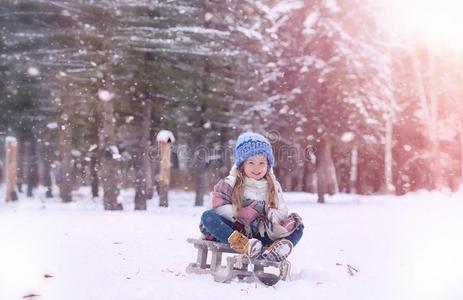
x=249 y=144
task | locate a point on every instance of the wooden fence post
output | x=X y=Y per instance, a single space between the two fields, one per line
x=164 y=138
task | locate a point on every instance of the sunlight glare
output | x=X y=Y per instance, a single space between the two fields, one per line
x=434 y=21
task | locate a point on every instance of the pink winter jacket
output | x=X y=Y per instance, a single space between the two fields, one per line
x=255 y=215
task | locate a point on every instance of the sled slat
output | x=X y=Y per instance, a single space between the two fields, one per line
x=211 y=245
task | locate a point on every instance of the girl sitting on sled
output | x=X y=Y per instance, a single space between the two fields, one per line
x=248 y=210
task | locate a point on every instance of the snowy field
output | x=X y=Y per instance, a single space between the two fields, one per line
x=408 y=247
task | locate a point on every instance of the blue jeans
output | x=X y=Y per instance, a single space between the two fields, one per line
x=221 y=229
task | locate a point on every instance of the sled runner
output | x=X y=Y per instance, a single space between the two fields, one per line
x=236 y=265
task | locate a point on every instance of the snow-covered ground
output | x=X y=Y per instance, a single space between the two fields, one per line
x=408 y=247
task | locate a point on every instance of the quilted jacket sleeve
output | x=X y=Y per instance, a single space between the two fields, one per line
x=222 y=200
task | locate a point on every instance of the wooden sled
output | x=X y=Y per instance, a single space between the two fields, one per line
x=235 y=265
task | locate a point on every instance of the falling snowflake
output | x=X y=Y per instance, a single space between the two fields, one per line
x=129 y=119
x=52 y=125
x=115 y=152
x=76 y=153
x=208 y=16
x=33 y=71
x=105 y=95
x=347 y=137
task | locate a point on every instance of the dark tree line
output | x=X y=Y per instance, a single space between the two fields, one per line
x=86 y=85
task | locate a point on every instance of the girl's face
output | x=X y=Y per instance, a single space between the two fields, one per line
x=255 y=167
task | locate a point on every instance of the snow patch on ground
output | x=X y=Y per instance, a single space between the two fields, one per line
x=406 y=247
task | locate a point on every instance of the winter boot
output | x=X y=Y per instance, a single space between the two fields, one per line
x=278 y=251
x=241 y=244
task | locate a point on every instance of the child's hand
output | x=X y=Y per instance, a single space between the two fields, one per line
x=248 y=214
x=274 y=215
x=234 y=171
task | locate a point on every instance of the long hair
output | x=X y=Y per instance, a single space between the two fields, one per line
x=272 y=197
x=238 y=191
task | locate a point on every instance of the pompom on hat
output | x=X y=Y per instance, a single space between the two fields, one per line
x=250 y=144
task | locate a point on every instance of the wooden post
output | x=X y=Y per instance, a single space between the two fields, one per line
x=11 y=147
x=164 y=138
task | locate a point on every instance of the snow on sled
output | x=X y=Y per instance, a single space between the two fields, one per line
x=236 y=265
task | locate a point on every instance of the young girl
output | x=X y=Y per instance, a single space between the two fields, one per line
x=249 y=212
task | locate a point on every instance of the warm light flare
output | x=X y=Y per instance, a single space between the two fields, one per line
x=439 y=22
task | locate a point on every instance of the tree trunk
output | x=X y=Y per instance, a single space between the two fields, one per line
x=309 y=177
x=141 y=161
x=63 y=178
x=353 y=169
x=30 y=158
x=31 y=170
x=333 y=182
x=109 y=156
x=288 y=180
x=44 y=169
x=140 y=182
x=201 y=161
x=300 y=178
x=155 y=171
x=388 y=182
x=256 y=122
x=40 y=161
x=47 y=177
x=326 y=182
x=321 y=173
x=20 y=165
x=149 y=179
x=200 y=167
x=199 y=184
x=299 y=186
x=434 y=114
x=94 y=174
x=95 y=156
x=429 y=104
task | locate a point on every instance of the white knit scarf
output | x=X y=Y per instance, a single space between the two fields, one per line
x=255 y=189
